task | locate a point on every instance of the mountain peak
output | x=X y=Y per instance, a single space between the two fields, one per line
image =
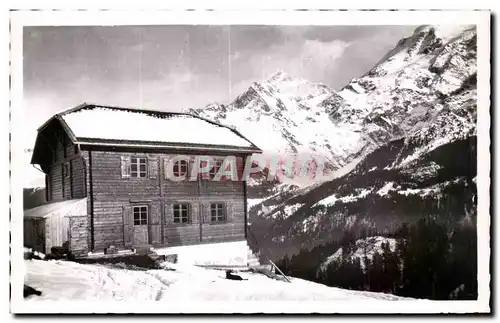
x=278 y=77
x=445 y=32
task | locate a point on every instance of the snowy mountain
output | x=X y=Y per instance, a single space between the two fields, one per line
x=414 y=115
x=409 y=87
x=286 y=118
x=416 y=82
x=281 y=115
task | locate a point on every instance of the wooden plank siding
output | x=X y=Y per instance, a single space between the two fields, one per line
x=56 y=231
x=114 y=194
x=78 y=177
x=72 y=185
x=57 y=182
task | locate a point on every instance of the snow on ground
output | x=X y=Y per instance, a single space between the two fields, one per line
x=433 y=189
x=290 y=209
x=361 y=194
x=384 y=190
x=330 y=200
x=62 y=280
x=234 y=253
x=253 y=202
x=310 y=224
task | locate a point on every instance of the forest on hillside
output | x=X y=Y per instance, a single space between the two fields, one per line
x=428 y=261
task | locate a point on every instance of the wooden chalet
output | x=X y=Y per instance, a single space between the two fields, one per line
x=115 y=159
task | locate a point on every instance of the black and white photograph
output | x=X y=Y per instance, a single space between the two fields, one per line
x=219 y=162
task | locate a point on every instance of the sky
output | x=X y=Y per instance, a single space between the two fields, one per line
x=180 y=67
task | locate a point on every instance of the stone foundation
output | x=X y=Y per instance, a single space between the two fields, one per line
x=79 y=229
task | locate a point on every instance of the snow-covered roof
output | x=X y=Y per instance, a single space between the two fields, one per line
x=116 y=126
x=67 y=207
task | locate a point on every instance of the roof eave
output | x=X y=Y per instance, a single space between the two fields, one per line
x=59 y=116
x=249 y=150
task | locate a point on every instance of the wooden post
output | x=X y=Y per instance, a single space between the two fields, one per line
x=279 y=270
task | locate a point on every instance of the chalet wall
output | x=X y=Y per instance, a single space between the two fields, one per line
x=78 y=177
x=114 y=196
x=66 y=156
x=234 y=229
x=107 y=177
x=108 y=223
x=56 y=182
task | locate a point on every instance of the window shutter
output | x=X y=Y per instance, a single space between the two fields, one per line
x=166 y=160
x=193 y=213
x=153 y=167
x=229 y=211
x=169 y=215
x=205 y=212
x=222 y=169
x=155 y=227
x=240 y=166
x=128 y=226
x=191 y=166
x=204 y=175
x=188 y=168
x=125 y=164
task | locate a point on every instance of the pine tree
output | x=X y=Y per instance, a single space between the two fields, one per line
x=424 y=256
x=376 y=273
x=391 y=264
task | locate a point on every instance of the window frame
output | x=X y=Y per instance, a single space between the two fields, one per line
x=181 y=164
x=215 y=168
x=137 y=161
x=219 y=219
x=180 y=216
x=140 y=219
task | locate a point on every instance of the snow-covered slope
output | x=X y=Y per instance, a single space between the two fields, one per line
x=63 y=280
x=381 y=193
x=417 y=155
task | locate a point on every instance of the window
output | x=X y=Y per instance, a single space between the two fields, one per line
x=217 y=213
x=215 y=168
x=180 y=168
x=181 y=213
x=138 y=167
x=140 y=215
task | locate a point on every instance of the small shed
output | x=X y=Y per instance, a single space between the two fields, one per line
x=49 y=225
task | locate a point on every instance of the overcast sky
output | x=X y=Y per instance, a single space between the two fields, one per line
x=177 y=67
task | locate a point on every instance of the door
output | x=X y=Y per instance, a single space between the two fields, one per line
x=40 y=236
x=141 y=218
